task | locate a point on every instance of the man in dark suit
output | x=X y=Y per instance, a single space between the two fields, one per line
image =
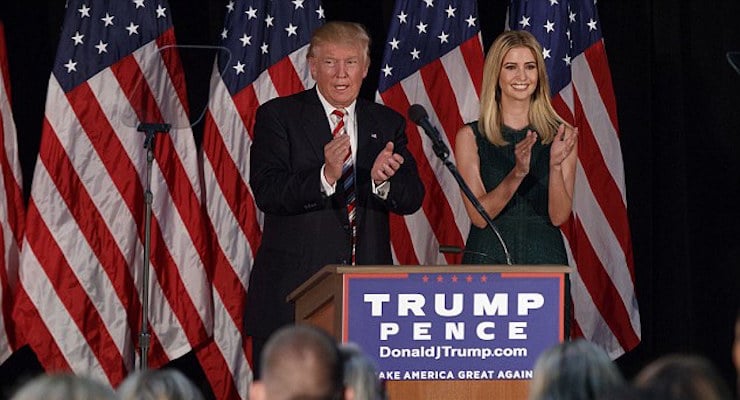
x=326 y=169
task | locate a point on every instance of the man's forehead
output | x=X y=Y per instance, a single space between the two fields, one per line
x=334 y=50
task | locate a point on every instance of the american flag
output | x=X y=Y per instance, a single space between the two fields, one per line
x=80 y=270
x=11 y=205
x=433 y=57
x=267 y=43
x=598 y=235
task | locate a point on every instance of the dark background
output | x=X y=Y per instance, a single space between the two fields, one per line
x=679 y=120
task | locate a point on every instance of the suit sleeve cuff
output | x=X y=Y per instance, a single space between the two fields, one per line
x=326 y=188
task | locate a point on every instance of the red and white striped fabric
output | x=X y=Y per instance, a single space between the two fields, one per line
x=81 y=265
x=261 y=64
x=433 y=57
x=11 y=205
x=598 y=235
x=600 y=248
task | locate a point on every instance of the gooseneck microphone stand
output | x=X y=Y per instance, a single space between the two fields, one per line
x=150 y=130
x=443 y=153
x=419 y=116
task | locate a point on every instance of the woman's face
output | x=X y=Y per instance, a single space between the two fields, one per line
x=518 y=77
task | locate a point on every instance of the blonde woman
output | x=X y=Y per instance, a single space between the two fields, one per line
x=519 y=159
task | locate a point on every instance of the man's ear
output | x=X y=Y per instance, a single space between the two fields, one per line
x=257 y=391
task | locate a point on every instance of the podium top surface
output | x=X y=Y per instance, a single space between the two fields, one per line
x=329 y=270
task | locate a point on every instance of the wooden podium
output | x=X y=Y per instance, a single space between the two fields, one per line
x=324 y=301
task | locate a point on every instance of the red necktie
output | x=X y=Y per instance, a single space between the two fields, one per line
x=347 y=180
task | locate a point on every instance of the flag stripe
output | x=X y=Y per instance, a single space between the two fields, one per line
x=395 y=97
x=433 y=57
x=600 y=285
x=88 y=197
x=284 y=77
x=605 y=306
x=603 y=188
x=234 y=190
x=74 y=302
x=11 y=208
x=55 y=360
x=264 y=63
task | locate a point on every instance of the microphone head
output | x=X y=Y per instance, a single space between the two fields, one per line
x=417 y=113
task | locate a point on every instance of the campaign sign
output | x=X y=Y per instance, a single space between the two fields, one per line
x=461 y=326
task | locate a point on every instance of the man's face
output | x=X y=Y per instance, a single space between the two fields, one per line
x=338 y=70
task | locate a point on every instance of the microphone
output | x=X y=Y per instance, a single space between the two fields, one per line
x=419 y=116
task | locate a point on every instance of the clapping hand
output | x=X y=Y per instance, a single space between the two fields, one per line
x=386 y=164
x=523 y=154
x=562 y=145
x=335 y=152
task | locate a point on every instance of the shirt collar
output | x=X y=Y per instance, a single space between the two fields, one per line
x=328 y=108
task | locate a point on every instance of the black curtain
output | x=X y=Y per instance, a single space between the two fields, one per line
x=679 y=122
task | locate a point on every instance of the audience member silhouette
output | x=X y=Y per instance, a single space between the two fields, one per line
x=576 y=370
x=64 y=387
x=299 y=362
x=165 y=384
x=681 y=377
x=360 y=377
x=736 y=352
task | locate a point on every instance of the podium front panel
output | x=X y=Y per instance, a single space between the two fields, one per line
x=453 y=326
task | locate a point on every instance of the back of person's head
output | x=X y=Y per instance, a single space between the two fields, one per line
x=360 y=377
x=165 y=384
x=576 y=370
x=736 y=350
x=681 y=377
x=64 y=387
x=343 y=33
x=299 y=362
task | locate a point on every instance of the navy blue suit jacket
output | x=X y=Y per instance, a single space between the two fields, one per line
x=304 y=229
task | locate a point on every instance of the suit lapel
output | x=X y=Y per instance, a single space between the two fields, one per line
x=315 y=123
x=367 y=138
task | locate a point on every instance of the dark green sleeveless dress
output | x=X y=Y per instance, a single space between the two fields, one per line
x=524 y=223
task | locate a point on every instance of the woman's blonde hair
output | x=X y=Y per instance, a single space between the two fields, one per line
x=542 y=116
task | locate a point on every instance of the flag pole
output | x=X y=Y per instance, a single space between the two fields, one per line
x=150 y=130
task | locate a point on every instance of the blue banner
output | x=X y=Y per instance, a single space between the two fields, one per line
x=466 y=326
